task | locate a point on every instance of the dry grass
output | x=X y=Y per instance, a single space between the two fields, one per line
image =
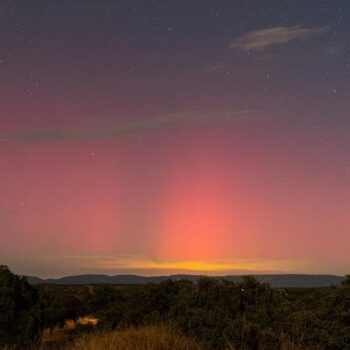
x=145 y=338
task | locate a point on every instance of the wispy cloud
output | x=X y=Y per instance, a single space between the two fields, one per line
x=261 y=39
x=137 y=127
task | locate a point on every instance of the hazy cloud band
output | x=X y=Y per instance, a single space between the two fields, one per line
x=137 y=127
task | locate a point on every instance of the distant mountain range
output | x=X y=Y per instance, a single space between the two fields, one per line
x=276 y=281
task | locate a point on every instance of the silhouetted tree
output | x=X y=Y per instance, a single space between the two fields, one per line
x=20 y=314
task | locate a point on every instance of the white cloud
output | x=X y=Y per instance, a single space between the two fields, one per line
x=261 y=39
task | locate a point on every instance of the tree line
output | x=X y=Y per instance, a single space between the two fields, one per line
x=248 y=314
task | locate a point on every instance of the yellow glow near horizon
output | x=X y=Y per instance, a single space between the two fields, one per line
x=201 y=265
x=145 y=266
x=149 y=266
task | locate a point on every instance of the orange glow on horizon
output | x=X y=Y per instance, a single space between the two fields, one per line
x=148 y=267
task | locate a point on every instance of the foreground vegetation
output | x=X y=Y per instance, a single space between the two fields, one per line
x=212 y=314
x=145 y=338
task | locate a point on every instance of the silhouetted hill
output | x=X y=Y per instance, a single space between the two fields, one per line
x=276 y=281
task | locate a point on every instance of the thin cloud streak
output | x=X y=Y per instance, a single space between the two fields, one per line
x=137 y=127
x=260 y=40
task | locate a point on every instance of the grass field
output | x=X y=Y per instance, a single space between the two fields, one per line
x=142 y=338
x=148 y=338
x=145 y=338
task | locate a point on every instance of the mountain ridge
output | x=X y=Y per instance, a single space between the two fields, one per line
x=275 y=280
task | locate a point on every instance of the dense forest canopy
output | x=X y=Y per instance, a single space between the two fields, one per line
x=248 y=314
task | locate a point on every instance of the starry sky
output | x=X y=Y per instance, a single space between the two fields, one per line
x=188 y=136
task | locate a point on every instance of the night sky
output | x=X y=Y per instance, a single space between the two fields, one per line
x=175 y=136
